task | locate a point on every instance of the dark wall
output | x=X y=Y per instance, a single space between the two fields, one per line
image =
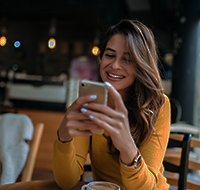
x=75 y=21
x=185 y=74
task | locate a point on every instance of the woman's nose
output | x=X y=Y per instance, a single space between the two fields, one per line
x=116 y=64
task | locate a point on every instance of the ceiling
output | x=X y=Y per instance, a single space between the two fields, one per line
x=61 y=8
x=138 y=5
x=109 y=10
x=87 y=14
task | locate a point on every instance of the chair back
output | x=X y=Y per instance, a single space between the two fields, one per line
x=193 y=181
x=34 y=146
x=182 y=167
x=20 y=141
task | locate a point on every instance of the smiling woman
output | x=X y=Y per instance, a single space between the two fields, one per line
x=116 y=66
x=136 y=120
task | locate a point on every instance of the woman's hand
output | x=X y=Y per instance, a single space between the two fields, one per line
x=115 y=122
x=72 y=124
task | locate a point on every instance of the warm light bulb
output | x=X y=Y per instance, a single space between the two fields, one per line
x=52 y=43
x=3 y=41
x=95 y=50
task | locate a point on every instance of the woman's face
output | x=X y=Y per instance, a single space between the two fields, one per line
x=116 y=66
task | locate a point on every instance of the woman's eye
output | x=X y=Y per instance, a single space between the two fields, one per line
x=109 y=55
x=127 y=60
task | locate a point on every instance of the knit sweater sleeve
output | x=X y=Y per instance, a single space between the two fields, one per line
x=68 y=161
x=147 y=176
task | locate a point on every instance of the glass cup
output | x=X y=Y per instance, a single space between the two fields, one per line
x=100 y=185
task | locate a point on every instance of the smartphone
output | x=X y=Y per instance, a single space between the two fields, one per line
x=87 y=87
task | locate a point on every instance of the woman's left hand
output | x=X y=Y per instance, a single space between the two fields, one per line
x=115 y=122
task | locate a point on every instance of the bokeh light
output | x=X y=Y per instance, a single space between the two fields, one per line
x=52 y=43
x=17 y=44
x=3 y=41
x=95 y=50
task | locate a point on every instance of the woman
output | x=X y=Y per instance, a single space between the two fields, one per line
x=136 y=121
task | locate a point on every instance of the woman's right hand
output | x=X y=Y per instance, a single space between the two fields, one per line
x=72 y=124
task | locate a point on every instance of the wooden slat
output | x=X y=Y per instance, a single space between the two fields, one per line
x=178 y=137
x=172 y=180
x=193 y=165
x=34 y=146
x=193 y=185
x=195 y=142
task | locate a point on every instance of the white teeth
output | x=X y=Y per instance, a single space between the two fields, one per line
x=115 y=76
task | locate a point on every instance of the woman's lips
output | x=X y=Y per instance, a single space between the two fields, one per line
x=113 y=76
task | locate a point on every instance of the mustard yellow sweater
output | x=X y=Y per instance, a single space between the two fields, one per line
x=69 y=159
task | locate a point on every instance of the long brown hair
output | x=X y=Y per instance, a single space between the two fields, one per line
x=145 y=95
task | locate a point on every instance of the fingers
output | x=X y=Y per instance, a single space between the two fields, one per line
x=81 y=133
x=86 y=125
x=105 y=121
x=71 y=133
x=73 y=112
x=103 y=117
x=77 y=104
x=103 y=124
x=119 y=104
x=73 y=122
x=104 y=110
x=73 y=115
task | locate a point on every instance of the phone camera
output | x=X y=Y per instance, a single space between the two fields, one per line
x=82 y=84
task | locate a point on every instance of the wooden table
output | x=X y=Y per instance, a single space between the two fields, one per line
x=37 y=185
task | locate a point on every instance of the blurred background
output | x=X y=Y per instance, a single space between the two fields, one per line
x=45 y=37
x=47 y=46
x=49 y=38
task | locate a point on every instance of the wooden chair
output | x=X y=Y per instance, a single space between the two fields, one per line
x=34 y=144
x=181 y=166
x=175 y=157
x=194 y=165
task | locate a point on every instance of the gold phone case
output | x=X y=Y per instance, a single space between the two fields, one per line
x=87 y=87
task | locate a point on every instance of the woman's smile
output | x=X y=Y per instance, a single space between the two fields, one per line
x=114 y=76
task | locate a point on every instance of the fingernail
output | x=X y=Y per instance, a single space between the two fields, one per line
x=108 y=84
x=83 y=110
x=85 y=105
x=93 y=97
x=91 y=117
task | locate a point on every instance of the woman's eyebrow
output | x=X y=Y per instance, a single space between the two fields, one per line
x=110 y=49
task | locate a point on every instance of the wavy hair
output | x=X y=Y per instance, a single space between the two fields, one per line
x=146 y=94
